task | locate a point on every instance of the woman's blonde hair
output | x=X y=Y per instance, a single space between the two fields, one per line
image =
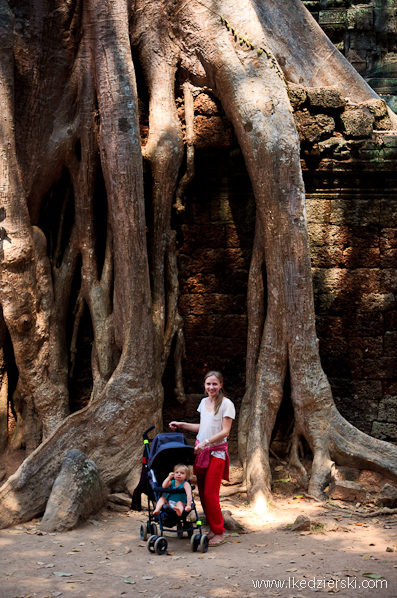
x=185 y=469
x=221 y=394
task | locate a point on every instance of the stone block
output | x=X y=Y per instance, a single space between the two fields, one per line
x=360 y=414
x=204 y=303
x=387 y=497
x=361 y=257
x=196 y=236
x=384 y=431
x=313 y=127
x=327 y=257
x=387 y=280
x=238 y=304
x=388 y=213
x=363 y=324
x=320 y=235
x=333 y=347
x=376 y=302
x=364 y=236
x=366 y=390
x=199 y=283
x=357 y=122
x=362 y=347
x=297 y=95
x=390 y=140
x=355 y=212
x=206 y=105
x=325 y=97
x=335 y=303
x=383 y=124
x=120 y=498
x=379 y=369
x=301 y=524
x=329 y=326
x=388 y=238
x=388 y=409
x=389 y=387
x=389 y=258
x=333 y=145
x=390 y=319
x=337 y=366
x=347 y=491
x=360 y=18
x=390 y=343
x=318 y=210
x=327 y=280
x=236 y=258
x=377 y=107
x=384 y=18
x=213 y=131
x=232 y=325
x=78 y=491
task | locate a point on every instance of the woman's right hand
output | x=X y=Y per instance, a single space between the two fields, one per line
x=174 y=425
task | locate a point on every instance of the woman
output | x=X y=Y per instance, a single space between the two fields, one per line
x=212 y=462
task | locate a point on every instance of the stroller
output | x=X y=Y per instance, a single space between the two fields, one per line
x=166 y=451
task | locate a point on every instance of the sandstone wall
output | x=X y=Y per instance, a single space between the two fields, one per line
x=351 y=183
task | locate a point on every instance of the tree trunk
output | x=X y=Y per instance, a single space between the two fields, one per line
x=84 y=92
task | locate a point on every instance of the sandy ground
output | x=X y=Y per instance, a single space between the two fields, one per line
x=105 y=558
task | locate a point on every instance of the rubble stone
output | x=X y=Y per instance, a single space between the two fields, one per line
x=387 y=497
x=358 y=122
x=301 y=524
x=347 y=491
x=78 y=492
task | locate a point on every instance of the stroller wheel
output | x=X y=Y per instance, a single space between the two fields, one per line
x=150 y=543
x=195 y=542
x=204 y=543
x=154 y=529
x=160 y=545
x=143 y=532
x=179 y=532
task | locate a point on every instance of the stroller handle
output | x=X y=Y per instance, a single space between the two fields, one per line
x=146 y=432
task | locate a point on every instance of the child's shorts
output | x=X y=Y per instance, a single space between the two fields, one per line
x=172 y=503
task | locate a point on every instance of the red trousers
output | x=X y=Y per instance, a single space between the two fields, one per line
x=209 y=483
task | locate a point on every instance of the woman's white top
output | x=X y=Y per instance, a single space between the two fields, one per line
x=211 y=424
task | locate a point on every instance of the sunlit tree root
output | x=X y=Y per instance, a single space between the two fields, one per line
x=105 y=431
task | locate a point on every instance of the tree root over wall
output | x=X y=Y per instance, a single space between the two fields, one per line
x=76 y=109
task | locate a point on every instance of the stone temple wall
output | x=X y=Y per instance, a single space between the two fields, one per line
x=365 y=31
x=351 y=184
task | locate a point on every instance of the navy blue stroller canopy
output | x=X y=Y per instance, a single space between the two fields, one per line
x=168 y=450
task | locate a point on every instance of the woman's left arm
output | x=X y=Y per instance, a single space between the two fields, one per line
x=224 y=433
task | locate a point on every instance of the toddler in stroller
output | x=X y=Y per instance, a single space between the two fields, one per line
x=168 y=449
x=181 y=501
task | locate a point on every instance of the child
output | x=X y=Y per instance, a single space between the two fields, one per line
x=181 y=501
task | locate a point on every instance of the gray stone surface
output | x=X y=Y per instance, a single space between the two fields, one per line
x=77 y=493
x=387 y=497
x=358 y=122
x=301 y=524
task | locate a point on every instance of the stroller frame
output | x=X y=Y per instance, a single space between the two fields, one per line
x=153 y=530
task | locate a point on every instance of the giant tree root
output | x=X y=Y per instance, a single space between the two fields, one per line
x=239 y=50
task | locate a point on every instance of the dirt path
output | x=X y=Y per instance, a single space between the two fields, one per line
x=105 y=558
